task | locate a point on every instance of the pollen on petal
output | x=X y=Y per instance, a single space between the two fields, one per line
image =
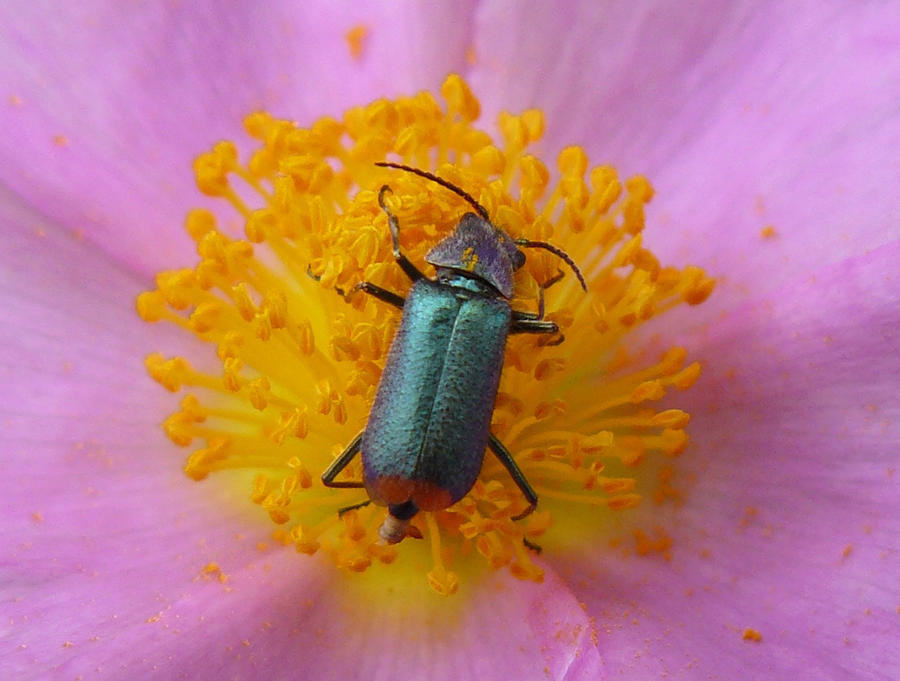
x=296 y=350
x=751 y=635
x=356 y=40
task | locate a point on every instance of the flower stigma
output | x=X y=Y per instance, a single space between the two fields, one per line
x=299 y=353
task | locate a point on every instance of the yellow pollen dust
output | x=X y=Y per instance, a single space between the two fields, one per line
x=297 y=354
x=356 y=40
x=469 y=259
x=751 y=635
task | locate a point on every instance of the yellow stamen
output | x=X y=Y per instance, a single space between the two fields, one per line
x=298 y=355
x=440 y=579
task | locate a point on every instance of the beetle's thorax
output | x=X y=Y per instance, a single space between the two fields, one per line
x=480 y=250
x=465 y=281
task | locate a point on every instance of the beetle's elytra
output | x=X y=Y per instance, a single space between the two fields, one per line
x=424 y=442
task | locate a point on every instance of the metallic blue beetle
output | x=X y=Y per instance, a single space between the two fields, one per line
x=424 y=444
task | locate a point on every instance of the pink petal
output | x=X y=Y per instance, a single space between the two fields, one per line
x=105 y=105
x=792 y=519
x=743 y=115
x=101 y=525
x=800 y=436
x=498 y=627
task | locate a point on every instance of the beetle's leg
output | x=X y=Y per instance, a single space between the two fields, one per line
x=526 y=324
x=529 y=322
x=316 y=277
x=531 y=545
x=543 y=287
x=518 y=314
x=381 y=293
x=368 y=287
x=345 y=509
x=502 y=453
x=340 y=464
x=411 y=270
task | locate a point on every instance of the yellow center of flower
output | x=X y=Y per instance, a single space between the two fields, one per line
x=300 y=353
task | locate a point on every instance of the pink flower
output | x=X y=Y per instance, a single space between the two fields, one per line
x=770 y=134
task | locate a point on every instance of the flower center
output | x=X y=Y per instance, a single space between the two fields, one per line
x=300 y=352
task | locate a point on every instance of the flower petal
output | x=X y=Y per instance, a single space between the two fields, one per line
x=103 y=528
x=743 y=115
x=499 y=627
x=792 y=517
x=105 y=105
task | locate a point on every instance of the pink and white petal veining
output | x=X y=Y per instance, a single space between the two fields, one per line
x=742 y=115
x=791 y=524
x=104 y=104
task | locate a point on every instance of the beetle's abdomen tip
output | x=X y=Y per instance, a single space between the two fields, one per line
x=393 y=490
x=392 y=530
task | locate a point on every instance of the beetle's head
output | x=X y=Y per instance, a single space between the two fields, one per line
x=478 y=248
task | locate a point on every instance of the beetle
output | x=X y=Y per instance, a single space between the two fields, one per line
x=429 y=426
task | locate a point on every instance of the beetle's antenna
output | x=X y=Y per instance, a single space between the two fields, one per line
x=557 y=252
x=444 y=183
